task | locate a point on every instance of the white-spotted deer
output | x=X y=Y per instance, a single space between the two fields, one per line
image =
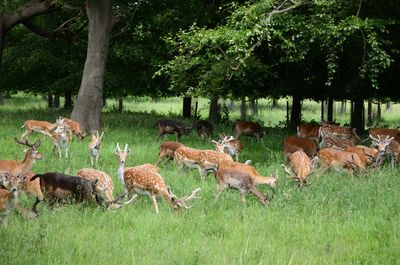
x=387 y=146
x=104 y=186
x=60 y=138
x=94 y=148
x=167 y=150
x=242 y=181
x=301 y=167
x=340 y=160
x=74 y=127
x=43 y=127
x=367 y=155
x=139 y=181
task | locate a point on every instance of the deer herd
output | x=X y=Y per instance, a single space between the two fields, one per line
x=329 y=145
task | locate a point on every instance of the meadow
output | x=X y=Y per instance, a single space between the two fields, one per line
x=336 y=219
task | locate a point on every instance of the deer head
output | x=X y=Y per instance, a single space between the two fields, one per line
x=181 y=203
x=122 y=154
x=381 y=144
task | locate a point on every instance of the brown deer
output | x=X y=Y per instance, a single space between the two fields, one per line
x=292 y=144
x=20 y=168
x=144 y=182
x=340 y=160
x=43 y=127
x=337 y=142
x=94 y=148
x=366 y=154
x=248 y=128
x=74 y=127
x=167 y=150
x=387 y=146
x=328 y=130
x=383 y=132
x=172 y=127
x=257 y=178
x=308 y=131
x=242 y=181
x=301 y=167
x=230 y=146
x=204 y=129
x=60 y=138
x=8 y=201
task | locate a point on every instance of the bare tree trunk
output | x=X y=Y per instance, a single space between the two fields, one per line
x=56 y=100
x=379 y=112
x=253 y=107
x=322 y=111
x=120 y=104
x=187 y=107
x=388 y=105
x=213 y=113
x=343 y=107
x=243 y=109
x=87 y=110
x=275 y=104
x=50 y=101
x=357 y=115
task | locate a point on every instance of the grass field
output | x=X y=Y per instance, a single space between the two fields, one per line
x=337 y=219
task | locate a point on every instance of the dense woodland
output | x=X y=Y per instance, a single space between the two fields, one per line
x=87 y=51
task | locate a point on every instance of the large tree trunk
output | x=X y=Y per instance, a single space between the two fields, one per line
x=68 y=100
x=213 y=113
x=295 y=115
x=243 y=109
x=87 y=109
x=379 y=112
x=50 y=101
x=56 y=100
x=187 y=107
x=369 y=113
x=357 y=120
x=322 y=110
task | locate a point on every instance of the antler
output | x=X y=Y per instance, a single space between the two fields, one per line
x=289 y=172
x=32 y=146
x=190 y=197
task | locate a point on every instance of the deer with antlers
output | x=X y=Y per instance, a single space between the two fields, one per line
x=340 y=160
x=301 y=166
x=60 y=138
x=43 y=127
x=387 y=146
x=230 y=146
x=366 y=154
x=94 y=148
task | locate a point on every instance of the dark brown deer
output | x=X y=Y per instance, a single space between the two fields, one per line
x=292 y=144
x=172 y=127
x=248 y=128
x=204 y=129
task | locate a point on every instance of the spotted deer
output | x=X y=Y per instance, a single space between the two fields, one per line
x=337 y=142
x=332 y=130
x=60 y=138
x=367 y=155
x=242 y=181
x=301 y=167
x=383 y=132
x=94 y=148
x=340 y=160
x=258 y=179
x=43 y=127
x=230 y=146
x=167 y=150
x=139 y=181
x=104 y=187
x=74 y=127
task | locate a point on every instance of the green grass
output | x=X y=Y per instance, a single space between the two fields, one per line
x=337 y=219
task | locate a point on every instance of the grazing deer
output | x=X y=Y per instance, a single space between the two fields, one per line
x=60 y=138
x=245 y=168
x=20 y=168
x=43 y=127
x=144 y=182
x=367 y=155
x=387 y=146
x=248 y=128
x=301 y=166
x=167 y=150
x=24 y=184
x=204 y=129
x=242 y=181
x=328 y=130
x=308 y=131
x=230 y=146
x=292 y=144
x=338 y=159
x=94 y=148
x=74 y=127
x=104 y=187
x=8 y=201
x=172 y=127
x=58 y=186
x=337 y=142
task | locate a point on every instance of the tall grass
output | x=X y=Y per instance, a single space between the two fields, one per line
x=337 y=219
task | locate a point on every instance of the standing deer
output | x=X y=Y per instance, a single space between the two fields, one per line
x=242 y=181
x=43 y=127
x=94 y=148
x=172 y=127
x=60 y=138
x=301 y=166
x=74 y=127
x=248 y=128
x=230 y=146
x=167 y=150
x=387 y=146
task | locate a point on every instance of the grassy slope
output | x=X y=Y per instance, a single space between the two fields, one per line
x=338 y=219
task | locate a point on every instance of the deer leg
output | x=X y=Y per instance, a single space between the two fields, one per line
x=27 y=132
x=160 y=134
x=243 y=195
x=133 y=197
x=202 y=172
x=237 y=157
x=153 y=199
x=97 y=159
x=261 y=197
x=34 y=206
x=91 y=160
x=220 y=188
x=66 y=151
